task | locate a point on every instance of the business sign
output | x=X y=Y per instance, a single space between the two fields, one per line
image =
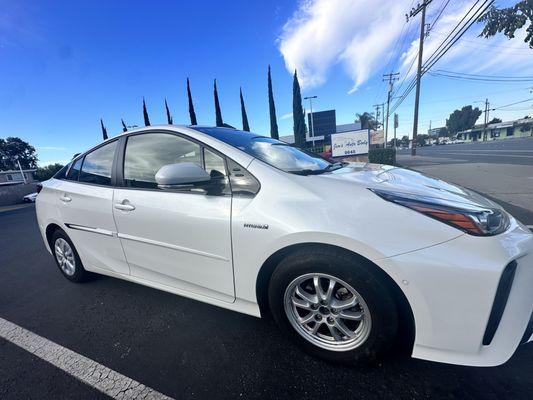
x=350 y=143
x=377 y=137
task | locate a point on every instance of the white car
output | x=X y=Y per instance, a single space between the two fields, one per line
x=347 y=258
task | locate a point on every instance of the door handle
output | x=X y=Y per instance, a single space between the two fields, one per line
x=65 y=199
x=124 y=207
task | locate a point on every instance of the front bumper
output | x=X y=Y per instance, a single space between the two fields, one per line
x=454 y=290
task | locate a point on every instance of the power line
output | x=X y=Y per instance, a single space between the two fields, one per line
x=445 y=42
x=438 y=16
x=396 y=49
x=483 y=76
x=438 y=54
x=471 y=21
x=512 y=104
x=470 y=78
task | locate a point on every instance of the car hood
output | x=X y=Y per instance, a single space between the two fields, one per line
x=401 y=180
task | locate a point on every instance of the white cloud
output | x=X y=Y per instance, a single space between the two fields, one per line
x=51 y=148
x=358 y=34
x=471 y=53
x=49 y=162
x=286 y=116
x=361 y=35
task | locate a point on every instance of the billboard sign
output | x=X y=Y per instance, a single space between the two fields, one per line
x=377 y=137
x=350 y=143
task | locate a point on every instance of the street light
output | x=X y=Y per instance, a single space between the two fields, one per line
x=310 y=98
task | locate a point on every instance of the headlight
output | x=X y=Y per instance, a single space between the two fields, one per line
x=475 y=220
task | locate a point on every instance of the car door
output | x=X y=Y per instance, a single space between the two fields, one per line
x=85 y=201
x=177 y=238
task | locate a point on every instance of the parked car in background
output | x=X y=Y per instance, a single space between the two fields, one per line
x=30 y=198
x=347 y=257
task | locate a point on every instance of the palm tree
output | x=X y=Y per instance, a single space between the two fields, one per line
x=367 y=121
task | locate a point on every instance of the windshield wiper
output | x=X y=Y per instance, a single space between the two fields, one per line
x=329 y=168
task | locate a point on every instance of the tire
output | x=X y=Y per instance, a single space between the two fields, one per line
x=73 y=270
x=353 y=278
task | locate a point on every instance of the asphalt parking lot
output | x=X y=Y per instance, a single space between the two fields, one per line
x=190 y=350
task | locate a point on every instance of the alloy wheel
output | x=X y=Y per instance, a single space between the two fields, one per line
x=327 y=312
x=65 y=256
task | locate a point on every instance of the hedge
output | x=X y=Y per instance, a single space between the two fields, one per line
x=382 y=156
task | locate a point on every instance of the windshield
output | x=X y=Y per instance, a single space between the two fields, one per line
x=274 y=152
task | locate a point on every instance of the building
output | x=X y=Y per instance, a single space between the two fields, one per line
x=438 y=132
x=501 y=130
x=323 y=125
x=348 y=127
x=14 y=176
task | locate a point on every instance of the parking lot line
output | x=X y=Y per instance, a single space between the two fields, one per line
x=80 y=367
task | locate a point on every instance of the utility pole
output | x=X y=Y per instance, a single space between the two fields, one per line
x=415 y=11
x=391 y=78
x=395 y=126
x=377 y=106
x=310 y=98
x=486 y=120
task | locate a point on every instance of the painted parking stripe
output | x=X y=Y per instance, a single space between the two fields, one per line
x=80 y=367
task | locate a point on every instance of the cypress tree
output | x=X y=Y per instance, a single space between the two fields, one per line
x=272 y=107
x=145 y=114
x=245 y=125
x=218 y=112
x=169 y=117
x=124 y=127
x=104 y=130
x=192 y=114
x=298 y=113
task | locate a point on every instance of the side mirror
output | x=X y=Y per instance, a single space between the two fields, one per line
x=176 y=176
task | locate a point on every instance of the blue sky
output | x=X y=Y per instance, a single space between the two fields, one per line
x=65 y=64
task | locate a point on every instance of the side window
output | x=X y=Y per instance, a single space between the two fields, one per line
x=74 y=171
x=243 y=183
x=214 y=164
x=147 y=153
x=97 y=165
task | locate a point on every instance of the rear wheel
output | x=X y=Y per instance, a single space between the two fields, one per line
x=67 y=258
x=333 y=305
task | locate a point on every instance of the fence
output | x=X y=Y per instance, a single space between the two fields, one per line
x=13 y=194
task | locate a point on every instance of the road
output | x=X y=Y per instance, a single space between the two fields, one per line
x=190 y=350
x=502 y=170
x=509 y=151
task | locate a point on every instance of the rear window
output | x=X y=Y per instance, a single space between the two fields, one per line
x=74 y=171
x=97 y=165
x=62 y=173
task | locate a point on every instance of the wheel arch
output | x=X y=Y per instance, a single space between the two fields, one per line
x=49 y=232
x=406 y=335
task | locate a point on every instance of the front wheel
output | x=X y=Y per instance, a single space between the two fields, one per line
x=333 y=305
